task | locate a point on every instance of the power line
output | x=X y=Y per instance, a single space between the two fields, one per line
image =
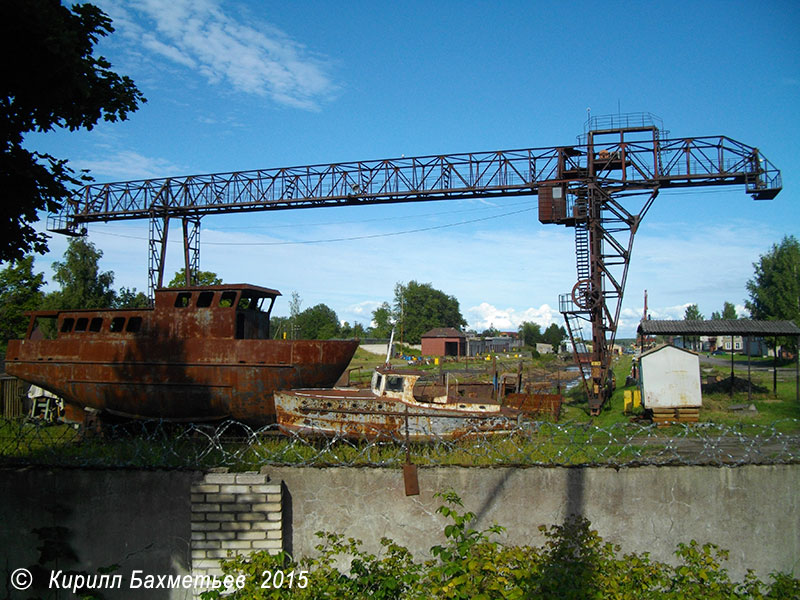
x=370 y=236
x=340 y=239
x=378 y=219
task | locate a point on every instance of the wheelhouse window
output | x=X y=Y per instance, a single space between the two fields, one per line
x=204 y=299
x=227 y=299
x=248 y=302
x=183 y=299
x=67 y=324
x=117 y=324
x=394 y=384
x=134 y=324
x=96 y=324
x=81 y=324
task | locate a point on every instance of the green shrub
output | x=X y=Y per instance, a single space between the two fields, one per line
x=573 y=564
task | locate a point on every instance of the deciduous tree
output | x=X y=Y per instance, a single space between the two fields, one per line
x=419 y=307
x=531 y=333
x=82 y=283
x=318 y=323
x=20 y=291
x=51 y=79
x=692 y=313
x=130 y=298
x=382 y=319
x=554 y=335
x=201 y=278
x=775 y=287
x=356 y=330
x=728 y=313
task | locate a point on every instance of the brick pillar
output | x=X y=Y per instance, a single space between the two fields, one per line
x=238 y=513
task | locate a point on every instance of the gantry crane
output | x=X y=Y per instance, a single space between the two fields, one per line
x=602 y=186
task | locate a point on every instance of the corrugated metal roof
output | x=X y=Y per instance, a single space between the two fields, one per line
x=719 y=327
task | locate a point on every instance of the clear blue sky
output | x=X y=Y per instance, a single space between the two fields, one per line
x=241 y=85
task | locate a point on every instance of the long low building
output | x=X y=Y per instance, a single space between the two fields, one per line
x=747 y=328
x=720 y=327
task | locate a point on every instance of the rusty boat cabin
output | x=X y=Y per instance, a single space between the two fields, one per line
x=174 y=314
x=200 y=353
x=405 y=404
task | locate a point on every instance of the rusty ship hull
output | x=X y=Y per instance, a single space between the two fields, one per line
x=398 y=406
x=198 y=354
x=362 y=415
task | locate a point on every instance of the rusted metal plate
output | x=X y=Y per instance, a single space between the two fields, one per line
x=410 y=479
x=536 y=404
x=191 y=357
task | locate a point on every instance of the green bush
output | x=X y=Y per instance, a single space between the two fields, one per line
x=573 y=564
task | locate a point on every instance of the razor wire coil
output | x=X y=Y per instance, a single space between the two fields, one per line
x=238 y=446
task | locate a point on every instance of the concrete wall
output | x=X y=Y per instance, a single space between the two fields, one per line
x=143 y=519
x=137 y=519
x=752 y=511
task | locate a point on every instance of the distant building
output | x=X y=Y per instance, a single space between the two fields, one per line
x=755 y=346
x=444 y=341
x=503 y=343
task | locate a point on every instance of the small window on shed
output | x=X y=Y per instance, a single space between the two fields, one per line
x=117 y=323
x=96 y=324
x=81 y=324
x=204 y=299
x=182 y=299
x=134 y=324
x=227 y=299
x=66 y=325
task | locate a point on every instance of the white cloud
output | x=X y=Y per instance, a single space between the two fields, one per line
x=254 y=58
x=363 y=309
x=128 y=165
x=486 y=315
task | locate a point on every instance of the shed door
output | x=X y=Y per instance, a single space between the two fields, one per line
x=451 y=348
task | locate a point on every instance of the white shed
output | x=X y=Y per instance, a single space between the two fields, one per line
x=670 y=378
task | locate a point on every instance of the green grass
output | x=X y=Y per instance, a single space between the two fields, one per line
x=577 y=439
x=756 y=361
x=716 y=407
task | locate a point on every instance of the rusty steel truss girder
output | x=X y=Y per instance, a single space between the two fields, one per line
x=685 y=162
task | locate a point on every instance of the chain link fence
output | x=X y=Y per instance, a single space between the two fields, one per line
x=160 y=444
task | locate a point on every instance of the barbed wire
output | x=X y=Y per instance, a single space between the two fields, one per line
x=238 y=446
